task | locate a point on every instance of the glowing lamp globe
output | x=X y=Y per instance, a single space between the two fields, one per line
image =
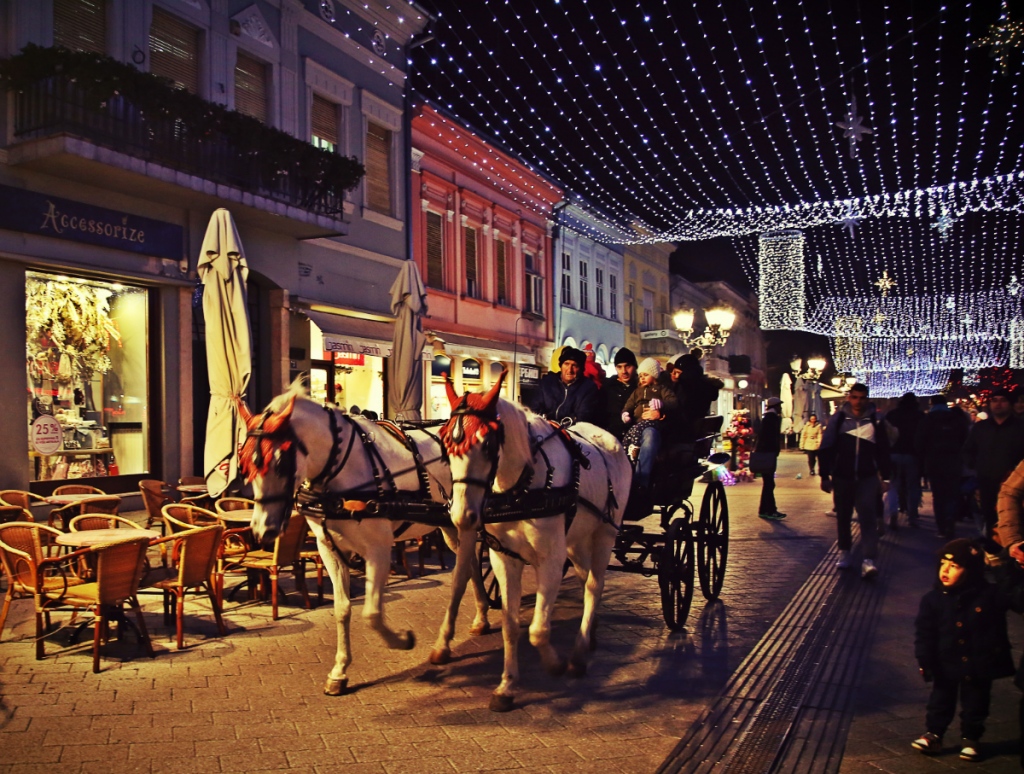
x=683 y=320
x=721 y=318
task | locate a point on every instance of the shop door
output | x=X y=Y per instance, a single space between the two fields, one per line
x=321 y=381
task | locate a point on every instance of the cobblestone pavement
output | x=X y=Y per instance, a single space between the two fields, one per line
x=252 y=700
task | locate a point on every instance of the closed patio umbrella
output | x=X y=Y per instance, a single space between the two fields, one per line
x=405 y=366
x=223 y=271
x=786 y=396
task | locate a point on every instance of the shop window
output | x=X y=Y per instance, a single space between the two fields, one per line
x=599 y=292
x=251 y=87
x=501 y=269
x=174 y=50
x=324 y=124
x=613 y=296
x=88 y=375
x=566 y=279
x=80 y=25
x=534 y=285
x=648 y=311
x=472 y=273
x=584 y=288
x=435 y=251
x=378 y=168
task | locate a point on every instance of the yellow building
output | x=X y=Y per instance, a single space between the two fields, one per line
x=646 y=292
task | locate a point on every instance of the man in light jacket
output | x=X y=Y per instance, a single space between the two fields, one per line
x=810 y=440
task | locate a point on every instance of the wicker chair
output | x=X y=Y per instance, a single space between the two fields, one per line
x=11 y=513
x=228 y=504
x=203 y=501
x=155 y=495
x=179 y=517
x=86 y=521
x=119 y=567
x=23 y=548
x=77 y=489
x=195 y=559
x=100 y=504
x=21 y=498
x=287 y=550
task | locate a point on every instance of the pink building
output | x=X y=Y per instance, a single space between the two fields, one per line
x=482 y=240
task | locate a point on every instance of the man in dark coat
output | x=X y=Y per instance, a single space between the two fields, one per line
x=906 y=472
x=768 y=442
x=993 y=449
x=939 y=445
x=617 y=392
x=695 y=392
x=567 y=394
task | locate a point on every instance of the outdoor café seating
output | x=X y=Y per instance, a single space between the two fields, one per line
x=21 y=498
x=74 y=489
x=62 y=515
x=155 y=495
x=268 y=564
x=86 y=521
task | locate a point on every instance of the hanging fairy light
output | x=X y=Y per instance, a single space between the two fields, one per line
x=781 y=291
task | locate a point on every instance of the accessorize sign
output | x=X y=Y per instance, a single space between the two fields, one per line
x=36 y=213
x=46 y=435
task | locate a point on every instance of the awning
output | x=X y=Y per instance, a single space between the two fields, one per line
x=356 y=336
x=471 y=346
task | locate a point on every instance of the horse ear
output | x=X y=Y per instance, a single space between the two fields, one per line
x=492 y=394
x=280 y=418
x=243 y=410
x=450 y=389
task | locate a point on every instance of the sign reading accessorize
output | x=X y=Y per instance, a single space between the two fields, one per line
x=35 y=213
x=46 y=435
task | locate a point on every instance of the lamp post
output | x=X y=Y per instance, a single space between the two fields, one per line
x=815 y=366
x=515 y=357
x=720 y=321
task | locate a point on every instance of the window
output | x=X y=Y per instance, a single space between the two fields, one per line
x=599 y=292
x=378 y=168
x=80 y=25
x=648 y=310
x=584 y=287
x=631 y=307
x=534 y=286
x=174 y=50
x=501 y=269
x=324 y=124
x=251 y=87
x=566 y=279
x=89 y=384
x=472 y=270
x=435 y=251
x=613 y=296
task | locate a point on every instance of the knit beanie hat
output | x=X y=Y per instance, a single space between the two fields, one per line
x=964 y=553
x=625 y=355
x=571 y=353
x=649 y=366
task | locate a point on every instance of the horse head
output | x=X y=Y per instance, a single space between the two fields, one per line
x=274 y=458
x=473 y=437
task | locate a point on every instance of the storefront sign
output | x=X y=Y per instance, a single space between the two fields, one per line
x=349 y=358
x=471 y=369
x=35 y=213
x=529 y=375
x=353 y=346
x=46 y=435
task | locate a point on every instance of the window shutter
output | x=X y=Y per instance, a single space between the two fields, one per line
x=499 y=256
x=472 y=288
x=80 y=25
x=251 y=87
x=174 y=50
x=324 y=123
x=435 y=251
x=378 y=168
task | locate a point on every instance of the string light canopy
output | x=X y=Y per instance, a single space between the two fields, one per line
x=893 y=384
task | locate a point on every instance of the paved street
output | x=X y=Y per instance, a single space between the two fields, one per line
x=252 y=700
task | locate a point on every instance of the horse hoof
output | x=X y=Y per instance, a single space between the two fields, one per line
x=439 y=657
x=479 y=629
x=577 y=669
x=409 y=641
x=501 y=703
x=558 y=668
x=335 y=687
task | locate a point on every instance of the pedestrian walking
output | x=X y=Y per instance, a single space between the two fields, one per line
x=768 y=444
x=961 y=645
x=810 y=441
x=993 y=449
x=1010 y=533
x=854 y=465
x=905 y=488
x=939 y=445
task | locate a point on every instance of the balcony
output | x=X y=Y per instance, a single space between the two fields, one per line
x=62 y=129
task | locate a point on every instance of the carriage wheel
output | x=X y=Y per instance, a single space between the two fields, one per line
x=675 y=574
x=491 y=587
x=713 y=540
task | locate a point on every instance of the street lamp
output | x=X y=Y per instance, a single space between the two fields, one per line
x=815 y=365
x=720 y=321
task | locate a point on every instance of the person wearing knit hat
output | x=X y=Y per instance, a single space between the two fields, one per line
x=617 y=391
x=625 y=355
x=645 y=412
x=961 y=643
x=566 y=394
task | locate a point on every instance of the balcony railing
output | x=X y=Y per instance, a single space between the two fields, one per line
x=57 y=105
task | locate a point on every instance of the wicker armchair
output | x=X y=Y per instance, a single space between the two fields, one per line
x=119 y=568
x=77 y=489
x=155 y=495
x=228 y=504
x=9 y=513
x=100 y=504
x=21 y=498
x=86 y=521
x=23 y=548
x=287 y=551
x=180 y=517
x=195 y=567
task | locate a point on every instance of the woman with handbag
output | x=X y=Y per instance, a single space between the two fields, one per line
x=765 y=458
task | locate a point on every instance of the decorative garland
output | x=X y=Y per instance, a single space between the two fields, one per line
x=102 y=79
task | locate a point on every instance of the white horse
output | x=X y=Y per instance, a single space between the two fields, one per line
x=491 y=442
x=352 y=460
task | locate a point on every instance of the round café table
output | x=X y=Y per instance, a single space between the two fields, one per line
x=88 y=538
x=194 y=489
x=67 y=499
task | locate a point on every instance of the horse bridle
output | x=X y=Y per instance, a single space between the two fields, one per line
x=492 y=440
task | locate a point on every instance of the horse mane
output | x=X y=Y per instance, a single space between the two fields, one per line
x=515 y=452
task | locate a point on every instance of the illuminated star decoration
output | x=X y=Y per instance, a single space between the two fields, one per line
x=885 y=283
x=853 y=127
x=944 y=223
x=850 y=220
x=1005 y=37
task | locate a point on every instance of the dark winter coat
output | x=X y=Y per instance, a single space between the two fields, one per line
x=940 y=442
x=615 y=395
x=695 y=392
x=961 y=632
x=769 y=437
x=641 y=398
x=579 y=401
x=906 y=419
x=993 y=450
x=854 y=448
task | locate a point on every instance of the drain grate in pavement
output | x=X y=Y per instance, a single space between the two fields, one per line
x=788 y=706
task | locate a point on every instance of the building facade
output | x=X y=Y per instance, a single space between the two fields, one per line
x=588 y=294
x=647 y=317
x=106 y=205
x=483 y=244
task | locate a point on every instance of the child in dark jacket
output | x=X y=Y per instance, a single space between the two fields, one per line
x=961 y=645
x=648 y=395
